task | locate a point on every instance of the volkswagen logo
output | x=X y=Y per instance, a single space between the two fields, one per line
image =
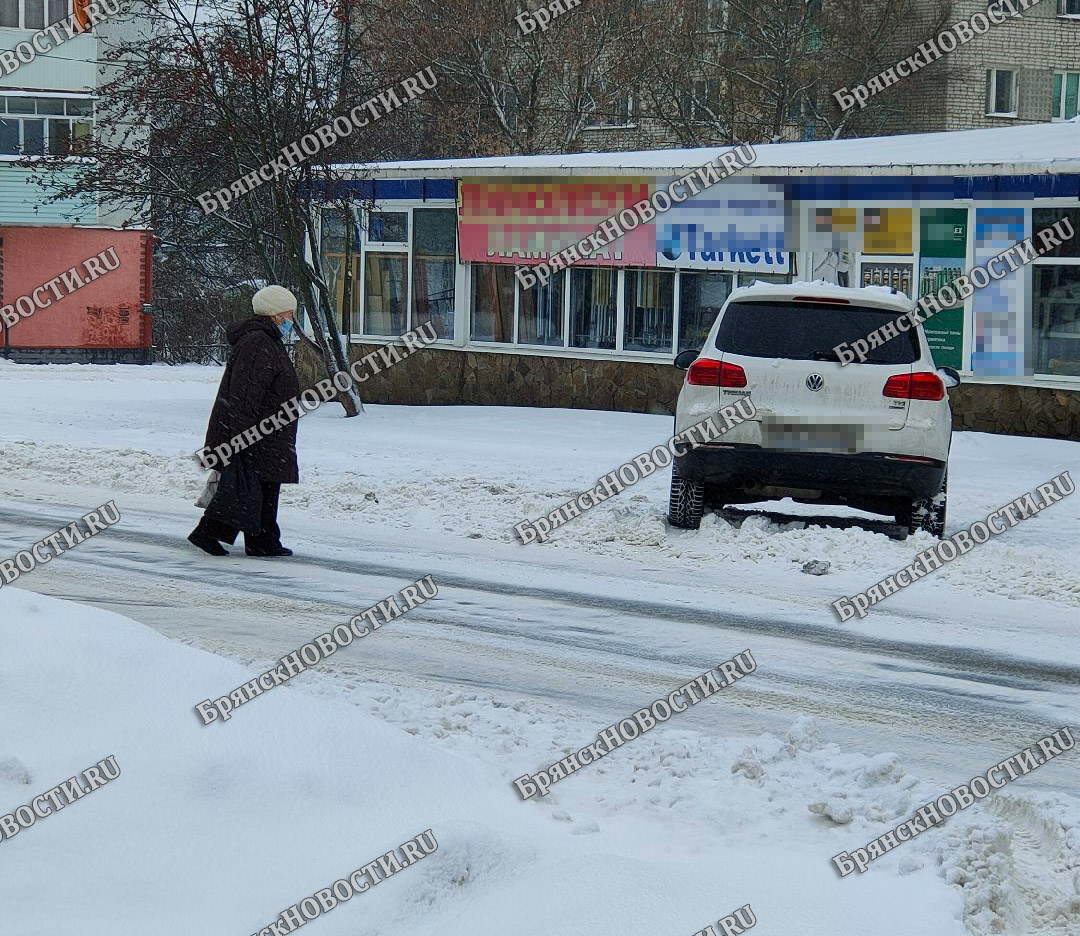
x=815 y=382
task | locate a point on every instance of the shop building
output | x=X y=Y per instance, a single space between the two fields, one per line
x=439 y=241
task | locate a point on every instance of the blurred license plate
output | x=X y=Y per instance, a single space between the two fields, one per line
x=806 y=437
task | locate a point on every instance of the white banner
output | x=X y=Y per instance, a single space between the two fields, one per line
x=738 y=226
x=739 y=261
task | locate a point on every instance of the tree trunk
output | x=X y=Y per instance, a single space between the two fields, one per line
x=324 y=327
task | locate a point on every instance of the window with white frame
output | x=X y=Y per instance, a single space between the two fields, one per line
x=32 y=14
x=580 y=308
x=698 y=102
x=594 y=296
x=701 y=295
x=540 y=313
x=387 y=228
x=648 y=310
x=609 y=107
x=1000 y=92
x=1055 y=292
x=434 y=269
x=1063 y=100
x=392 y=268
x=1068 y=8
x=36 y=126
x=491 y=301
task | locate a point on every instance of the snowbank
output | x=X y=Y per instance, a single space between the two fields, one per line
x=215 y=829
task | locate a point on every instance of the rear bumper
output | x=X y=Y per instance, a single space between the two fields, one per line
x=842 y=479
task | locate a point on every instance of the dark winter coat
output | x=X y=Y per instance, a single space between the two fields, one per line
x=258 y=378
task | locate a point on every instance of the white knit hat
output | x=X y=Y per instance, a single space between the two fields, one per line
x=273 y=300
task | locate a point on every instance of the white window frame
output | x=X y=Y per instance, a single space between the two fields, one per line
x=564 y=315
x=1060 y=103
x=679 y=273
x=66 y=96
x=1064 y=5
x=45 y=10
x=566 y=349
x=629 y=124
x=699 y=105
x=621 y=318
x=390 y=246
x=398 y=247
x=992 y=92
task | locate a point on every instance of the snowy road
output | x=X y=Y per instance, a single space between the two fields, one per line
x=597 y=653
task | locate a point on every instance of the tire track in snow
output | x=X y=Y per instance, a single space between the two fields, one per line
x=965 y=662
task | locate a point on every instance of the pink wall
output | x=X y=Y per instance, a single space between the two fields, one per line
x=104 y=313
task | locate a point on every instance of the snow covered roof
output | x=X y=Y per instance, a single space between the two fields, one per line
x=1022 y=150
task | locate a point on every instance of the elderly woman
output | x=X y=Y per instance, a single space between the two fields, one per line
x=259 y=377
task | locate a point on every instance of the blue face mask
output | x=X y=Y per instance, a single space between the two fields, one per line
x=285 y=328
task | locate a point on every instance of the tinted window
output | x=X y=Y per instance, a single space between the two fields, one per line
x=808 y=331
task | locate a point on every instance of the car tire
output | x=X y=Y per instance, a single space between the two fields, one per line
x=928 y=513
x=687 y=501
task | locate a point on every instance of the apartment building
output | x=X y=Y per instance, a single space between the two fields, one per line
x=46 y=107
x=1025 y=70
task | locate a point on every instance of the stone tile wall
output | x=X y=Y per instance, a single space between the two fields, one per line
x=443 y=377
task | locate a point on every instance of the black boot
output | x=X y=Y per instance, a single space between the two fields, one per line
x=206 y=543
x=268 y=551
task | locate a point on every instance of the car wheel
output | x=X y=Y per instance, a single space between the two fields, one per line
x=687 y=501
x=928 y=513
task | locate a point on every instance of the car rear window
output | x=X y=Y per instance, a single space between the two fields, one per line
x=808 y=331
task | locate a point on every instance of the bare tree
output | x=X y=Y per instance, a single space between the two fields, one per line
x=504 y=91
x=199 y=95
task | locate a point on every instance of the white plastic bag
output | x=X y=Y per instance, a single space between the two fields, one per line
x=209 y=491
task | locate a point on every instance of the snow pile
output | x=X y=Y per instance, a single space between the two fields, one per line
x=1014 y=858
x=215 y=829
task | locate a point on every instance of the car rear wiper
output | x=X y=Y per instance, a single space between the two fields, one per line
x=829 y=355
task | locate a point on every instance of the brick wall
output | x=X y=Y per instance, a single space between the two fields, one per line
x=1035 y=44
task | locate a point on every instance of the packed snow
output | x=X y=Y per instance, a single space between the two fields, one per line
x=216 y=829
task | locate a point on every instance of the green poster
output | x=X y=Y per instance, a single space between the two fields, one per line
x=945 y=335
x=943 y=232
x=942 y=256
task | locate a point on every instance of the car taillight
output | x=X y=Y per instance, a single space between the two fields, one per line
x=921 y=386
x=706 y=373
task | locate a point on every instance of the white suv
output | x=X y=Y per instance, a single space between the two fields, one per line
x=873 y=435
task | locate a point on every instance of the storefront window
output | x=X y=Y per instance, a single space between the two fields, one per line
x=1046 y=217
x=492 y=302
x=541 y=313
x=700 y=297
x=1056 y=319
x=593 y=296
x=649 y=310
x=336 y=249
x=1056 y=298
x=385 y=293
x=334 y=274
x=434 y=269
x=388 y=227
